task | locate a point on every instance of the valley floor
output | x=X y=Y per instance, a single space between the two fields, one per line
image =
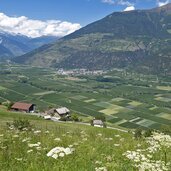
x=128 y=100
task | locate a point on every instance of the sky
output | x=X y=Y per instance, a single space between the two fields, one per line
x=35 y=18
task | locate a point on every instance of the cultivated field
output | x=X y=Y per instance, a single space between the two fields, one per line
x=126 y=99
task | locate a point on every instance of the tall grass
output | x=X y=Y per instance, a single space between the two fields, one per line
x=95 y=148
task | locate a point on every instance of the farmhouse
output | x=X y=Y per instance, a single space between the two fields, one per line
x=98 y=123
x=51 y=112
x=63 y=112
x=23 y=107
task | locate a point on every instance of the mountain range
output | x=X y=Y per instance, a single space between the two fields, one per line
x=139 y=39
x=17 y=45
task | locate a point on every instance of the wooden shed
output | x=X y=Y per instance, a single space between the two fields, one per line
x=23 y=107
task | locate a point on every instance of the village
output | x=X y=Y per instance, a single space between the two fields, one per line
x=78 y=72
x=62 y=114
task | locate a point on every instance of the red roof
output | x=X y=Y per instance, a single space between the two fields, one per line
x=21 y=106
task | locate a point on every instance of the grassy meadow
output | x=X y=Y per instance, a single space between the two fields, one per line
x=92 y=149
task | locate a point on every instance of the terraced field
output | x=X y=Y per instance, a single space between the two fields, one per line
x=126 y=100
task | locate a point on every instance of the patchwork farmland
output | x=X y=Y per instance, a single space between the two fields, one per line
x=126 y=99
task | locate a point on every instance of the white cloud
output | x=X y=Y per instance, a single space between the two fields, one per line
x=36 y=28
x=162 y=3
x=127 y=3
x=108 y=2
x=118 y=2
x=130 y=8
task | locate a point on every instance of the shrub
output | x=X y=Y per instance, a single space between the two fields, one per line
x=166 y=129
x=91 y=123
x=63 y=119
x=100 y=117
x=138 y=133
x=74 y=117
x=10 y=105
x=148 y=133
x=20 y=125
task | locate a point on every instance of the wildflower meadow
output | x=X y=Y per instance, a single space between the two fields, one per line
x=70 y=147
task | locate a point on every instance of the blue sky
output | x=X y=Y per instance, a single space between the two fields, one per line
x=82 y=12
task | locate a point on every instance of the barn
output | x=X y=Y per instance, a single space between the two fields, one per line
x=23 y=107
x=63 y=112
x=98 y=123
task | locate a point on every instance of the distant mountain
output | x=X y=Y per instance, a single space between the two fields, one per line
x=16 y=45
x=40 y=41
x=139 y=39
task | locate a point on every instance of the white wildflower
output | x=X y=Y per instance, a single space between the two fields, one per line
x=29 y=151
x=18 y=159
x=122 y=139
x=25 y=129
x=34 y=145
x=38 y=148
x=117 y=136
x=15 y=136
x=57 y=139
x=61 y=154
x=55 y=156
x=100 y=169
x=116 y=145
x=26 y=139
x=60 y=151
x=68 y=151
x=37 y=132
x=142 y=158
x=109 y=139
x=11 y=127
x=98 y=162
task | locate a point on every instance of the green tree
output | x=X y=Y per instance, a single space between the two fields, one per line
x=100 y=117
x=10 y=105
x=75 y=117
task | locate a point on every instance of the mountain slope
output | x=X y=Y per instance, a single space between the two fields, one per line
x=15 y=45
x=140 y=39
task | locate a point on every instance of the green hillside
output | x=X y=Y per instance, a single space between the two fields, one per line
x=137 y=39
x=58 y=146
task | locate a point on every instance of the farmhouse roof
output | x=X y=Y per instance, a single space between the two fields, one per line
x=97 y=122
x=51 y=111
x=21 y=106
x=62 y=110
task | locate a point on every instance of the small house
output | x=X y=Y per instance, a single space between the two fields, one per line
x=63 y=112
x=23 y=107
x=51 y=112
x=98 y=123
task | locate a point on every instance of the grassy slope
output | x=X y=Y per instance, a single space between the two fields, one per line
x=92 y=146
x=95 y=148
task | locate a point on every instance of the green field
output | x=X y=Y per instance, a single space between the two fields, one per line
x=118 y=95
